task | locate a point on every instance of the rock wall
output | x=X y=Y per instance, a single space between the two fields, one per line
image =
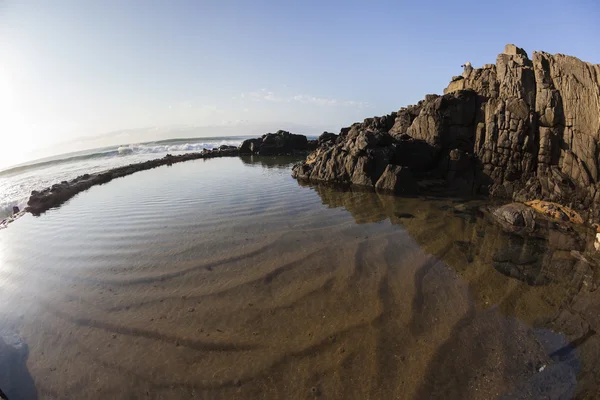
x=521 y=128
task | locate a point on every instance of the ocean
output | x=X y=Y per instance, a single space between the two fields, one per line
x=17 y=182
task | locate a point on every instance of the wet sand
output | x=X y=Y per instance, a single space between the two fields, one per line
x=252 y=287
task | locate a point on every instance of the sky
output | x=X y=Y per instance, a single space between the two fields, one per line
x=73 y=70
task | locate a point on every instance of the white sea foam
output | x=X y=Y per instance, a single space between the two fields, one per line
x=6 y=206
x=173 y=148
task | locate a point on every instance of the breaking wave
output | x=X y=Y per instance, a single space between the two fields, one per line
x=164 y=146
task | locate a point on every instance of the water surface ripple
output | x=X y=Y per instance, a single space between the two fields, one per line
x=225 y=279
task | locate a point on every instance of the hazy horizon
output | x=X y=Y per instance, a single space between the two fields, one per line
x=153 y=134
x=72 y=71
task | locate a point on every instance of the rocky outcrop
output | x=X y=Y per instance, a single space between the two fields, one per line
x=275 y=144
x=520 y=129
x=434 y=145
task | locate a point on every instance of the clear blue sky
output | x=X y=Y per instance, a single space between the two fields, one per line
x=77 y=68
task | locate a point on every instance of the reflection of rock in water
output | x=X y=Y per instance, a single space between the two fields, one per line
x=459 y=232
x=281 y=162
x=546 y=279
x=15 y=380
x=524 y=259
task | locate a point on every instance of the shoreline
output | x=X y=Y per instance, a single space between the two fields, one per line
x=50 y=197
x=270 y=144
x=54 y=196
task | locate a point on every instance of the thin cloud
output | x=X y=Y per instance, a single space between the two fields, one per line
x=266 y=95
x=263 y=95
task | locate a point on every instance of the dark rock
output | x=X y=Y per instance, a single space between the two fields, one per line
x=327 y=137
x=282 y=143
x=273 y=144
x=515 y=215
x=361 y=153
x=398 y=180
x=15 y=210
x=250 y=146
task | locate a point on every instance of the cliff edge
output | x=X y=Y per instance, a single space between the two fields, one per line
x=521 y=129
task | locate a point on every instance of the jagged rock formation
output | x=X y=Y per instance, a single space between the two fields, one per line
x=521 y=128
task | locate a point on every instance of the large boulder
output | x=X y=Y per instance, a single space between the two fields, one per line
x=279 y=143
x=250 y=146
x=515 y=215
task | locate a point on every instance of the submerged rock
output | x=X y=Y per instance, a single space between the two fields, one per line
x=516 y=215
